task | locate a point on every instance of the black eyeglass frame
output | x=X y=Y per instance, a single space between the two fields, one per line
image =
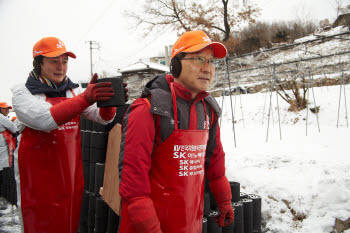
x=202 y=60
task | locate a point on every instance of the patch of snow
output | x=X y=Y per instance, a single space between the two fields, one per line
x=311 y=173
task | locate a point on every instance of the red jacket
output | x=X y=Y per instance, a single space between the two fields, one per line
x=144 y=128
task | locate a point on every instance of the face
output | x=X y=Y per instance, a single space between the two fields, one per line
x=55 y=68
x=5 y=111
x=194 y=76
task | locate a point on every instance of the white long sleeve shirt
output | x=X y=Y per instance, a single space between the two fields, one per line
x=5 y=124
x=33 y=110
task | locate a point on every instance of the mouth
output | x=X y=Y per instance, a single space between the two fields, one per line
x=204 y=79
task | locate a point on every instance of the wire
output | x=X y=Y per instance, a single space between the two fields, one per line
x=132 y=53
x=100 y=16
x=146 y=45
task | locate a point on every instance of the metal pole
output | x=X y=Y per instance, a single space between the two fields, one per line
x=222 y=102
x=307 y=107
x=339 y=96
x=346 y=110
x=167 y=58
x=222 y=109
x=233 y=118
x=278 y=107
x=268 y=115
x=91 y=58
x=272 y=114
x=234 y=106
x=339 y=104
x=315 y=105
x=240 y=100
x=91 y=43
x=263 y=113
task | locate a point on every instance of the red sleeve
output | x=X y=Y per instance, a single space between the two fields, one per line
x=135 y=152
x=216 y=154
x=107 y=114
x=68 y=109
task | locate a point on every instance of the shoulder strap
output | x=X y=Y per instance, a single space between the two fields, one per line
x=156 y=119
x=212 y=117
x=211 y=114
x=147 y=102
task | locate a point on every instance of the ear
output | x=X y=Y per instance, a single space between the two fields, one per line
x=175 y=67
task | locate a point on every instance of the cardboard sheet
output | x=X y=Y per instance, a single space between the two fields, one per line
x=110 y=189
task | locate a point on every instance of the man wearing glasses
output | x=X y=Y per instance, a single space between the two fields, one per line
x=171 y=142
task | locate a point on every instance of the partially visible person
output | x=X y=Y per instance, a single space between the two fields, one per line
x=8 y=133
x=171 y=142
x=48 y=158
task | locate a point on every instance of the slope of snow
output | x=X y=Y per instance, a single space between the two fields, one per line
x=306 y=174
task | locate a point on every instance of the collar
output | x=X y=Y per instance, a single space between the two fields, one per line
x=48 y=82
x=183 y=92
x=40 y=85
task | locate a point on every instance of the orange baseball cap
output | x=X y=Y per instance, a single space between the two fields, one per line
x=194 y=41
x=4 y=105
x=50 y=47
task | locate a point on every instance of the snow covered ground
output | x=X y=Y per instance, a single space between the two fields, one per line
x=8 y=218
x=309 y=175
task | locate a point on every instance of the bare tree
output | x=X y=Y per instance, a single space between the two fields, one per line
x=338 y=6
x=218 y=18
x=296 y=100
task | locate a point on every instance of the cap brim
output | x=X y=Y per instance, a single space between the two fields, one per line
x=218 y=49
x=58 y=53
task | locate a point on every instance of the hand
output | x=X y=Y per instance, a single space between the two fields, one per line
x=226 y=214
x=143 y=215
x=221 y=191
x=98 y=91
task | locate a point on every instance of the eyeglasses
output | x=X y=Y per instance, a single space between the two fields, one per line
x=201 y=61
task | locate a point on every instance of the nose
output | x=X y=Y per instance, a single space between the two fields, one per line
x=205 y=68
x=60 y=65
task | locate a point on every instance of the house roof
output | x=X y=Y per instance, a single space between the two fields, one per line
x=144 y=66
x=342 y=19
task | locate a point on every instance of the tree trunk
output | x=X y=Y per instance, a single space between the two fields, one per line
x=227 y=25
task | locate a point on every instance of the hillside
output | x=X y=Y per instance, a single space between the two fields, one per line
x=325 y=60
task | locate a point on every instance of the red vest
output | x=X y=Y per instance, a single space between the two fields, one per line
x=51 y=175
x=11 y=143
x=177 y=180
